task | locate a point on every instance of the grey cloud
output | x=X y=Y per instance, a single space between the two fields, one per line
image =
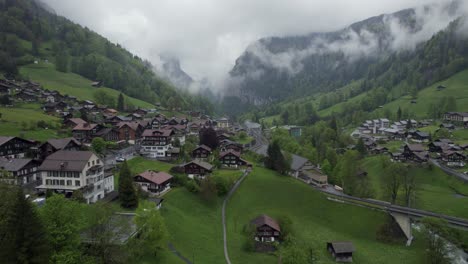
x=208 y=35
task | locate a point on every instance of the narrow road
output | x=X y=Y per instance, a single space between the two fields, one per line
x=450 y=171
x=412 y=212
x=178 y=254
x=223 y=213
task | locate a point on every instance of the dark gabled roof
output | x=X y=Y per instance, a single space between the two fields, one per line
x=422 y=134
x=13 y=164
x=157 y=132
x=85 y=127
x=155 y=177
x=415 y=147
x=61 y=143
x=464 y=114
x=4 y=140
x=297 y=162
x=66 y=161
x=235 y=153
x=205 y=147
x=266 y=220
x=342 y=246
x=200 y=163
x=133 y=125
x=105 y=131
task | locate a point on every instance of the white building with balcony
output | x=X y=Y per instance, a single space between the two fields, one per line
x=68 y=171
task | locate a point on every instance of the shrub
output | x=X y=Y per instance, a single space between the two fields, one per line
x=192 y=186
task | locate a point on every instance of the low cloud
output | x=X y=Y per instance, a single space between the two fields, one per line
x=428 y=20
x=209 y=35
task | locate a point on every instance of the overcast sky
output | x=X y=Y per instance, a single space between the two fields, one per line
x=208 y=35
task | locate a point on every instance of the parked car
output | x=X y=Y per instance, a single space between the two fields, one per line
x=120 y=159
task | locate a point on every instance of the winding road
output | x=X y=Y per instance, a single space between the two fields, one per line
x=223 y=213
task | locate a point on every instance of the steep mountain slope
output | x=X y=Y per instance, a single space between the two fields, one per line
x=171 y=70
x=30 y=32
x=386 y=51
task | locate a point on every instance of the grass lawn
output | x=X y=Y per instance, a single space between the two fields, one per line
x=16 y=121
x=315 y=219
x=70 y=83
x=429 y=129
x=243 y=141
x=394 y=145
x=457 y=86
x=436 y=191
x=194 y=226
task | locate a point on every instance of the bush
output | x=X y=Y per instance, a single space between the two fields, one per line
x=42 y=124
x=192 y=186
x=223 y=185
x=179 y=179
x=389 y=231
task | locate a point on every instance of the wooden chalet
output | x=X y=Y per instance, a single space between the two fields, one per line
x=156 y=142
x=453 y=158
x=55 y=107
x=227 y=145
x=153 y=181
x=266 y=229
x=341 y=251
x=54 y=145
x=73 y=122
x=379 y=150
x=197 y=168
x=23 y=172
x=129 y=131
x=15 y=147
x=447 y=126
x=415 y=152
x=26 y=95
x=108 y=134
x=419 y=136
x=232 y=159
x=397 y=156
x=85 y=132
x=201 y=152
x=141 y=112
x=110 y=112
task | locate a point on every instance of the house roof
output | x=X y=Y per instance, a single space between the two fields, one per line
x=157 y=132
x=13 y=164
x=464 y=114
x=62 y=142
x=266 y=220
x=205 y=147
x=200 y=163
x=422 y=134
x=342 y=246
x=66 y=161
x=230 y=151
x=155 y=177
x=133 y=125
x=415 y=147
x=85 y=126
x=4 y=140
x=297 y=162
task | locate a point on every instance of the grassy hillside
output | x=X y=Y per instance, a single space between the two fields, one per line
x=436 y=191
x=196 y=230
x=22 y=121
x=457 y=86
x=70 y=83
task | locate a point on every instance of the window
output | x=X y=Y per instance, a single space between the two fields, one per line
x=77 y=183
x=69 y=182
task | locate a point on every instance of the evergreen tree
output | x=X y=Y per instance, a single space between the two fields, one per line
x=25 y=239
x=409 y=125
x=399 y=113
x=127 y=192
x=61 y=62
x=121 y=103
x=275 y=159
x=209 y=138
x=361 y=148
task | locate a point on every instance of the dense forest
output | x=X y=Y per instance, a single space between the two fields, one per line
x=29 y=32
